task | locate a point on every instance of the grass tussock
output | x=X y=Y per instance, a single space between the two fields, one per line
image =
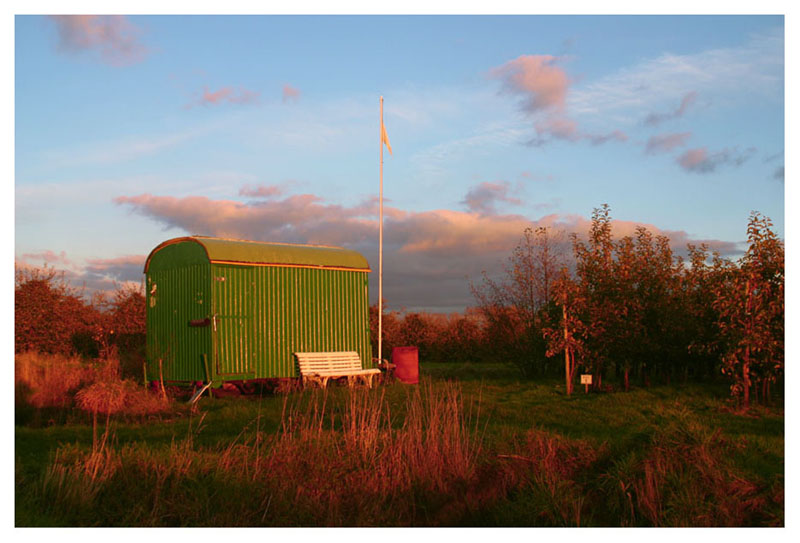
x=50 y=380
x=686 y=478
x=112 y=397
x=61 y=382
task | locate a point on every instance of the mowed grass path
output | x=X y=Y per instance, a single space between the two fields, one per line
x=543 y=459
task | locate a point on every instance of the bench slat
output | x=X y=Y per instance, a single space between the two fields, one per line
x=326 y=365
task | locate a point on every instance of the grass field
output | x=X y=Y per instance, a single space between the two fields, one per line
x=472 y=445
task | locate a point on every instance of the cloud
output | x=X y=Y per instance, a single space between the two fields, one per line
x=48 y=257
x=654 y=119
x=290 y=94
x=113 y=37
x=110 y=152
x=559 y=127
x=537 y=78
x=699 y=160
x=484 y=197
x=544 y=87
x=752 y=71
x=599 y=139
x=295 y=218
x=95 y=275
x=429 y=256
x=262 y=191
x=438 y=159
x=779 y=174
x=225 y=95
x=127 y=268
x=664 y=143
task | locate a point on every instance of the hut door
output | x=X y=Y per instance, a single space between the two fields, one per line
x=233 y=322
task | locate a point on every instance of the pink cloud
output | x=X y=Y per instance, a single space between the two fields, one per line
x=484 y=197
x=290 y=94
x=226 y=95
x=563 y=128
x=113 y=37
x=699 y=160
x=261 y=191
x=537 y=78
x=216 y=97
x=688 y=100
x=559 y=127
x=663 y=143
x=696 y=160
x=48 y=257
x=96 y=275
x=544 y=86
x=429 y=256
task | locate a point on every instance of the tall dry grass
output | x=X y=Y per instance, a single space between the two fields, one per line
x=344 y=458
x=51 y=380
x=58 y=381
x=343 y=465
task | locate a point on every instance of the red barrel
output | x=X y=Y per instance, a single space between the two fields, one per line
x=407 y=361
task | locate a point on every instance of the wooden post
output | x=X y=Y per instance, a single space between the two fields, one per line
x=567 y=363
x=161 y=378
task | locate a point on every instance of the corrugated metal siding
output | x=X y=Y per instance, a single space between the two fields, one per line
x=266 y=313
x=234 y=340
x=175 y=295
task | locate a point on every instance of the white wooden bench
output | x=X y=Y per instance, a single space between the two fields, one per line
x=319 y=367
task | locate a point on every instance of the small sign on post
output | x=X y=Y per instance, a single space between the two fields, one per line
x=586 y=380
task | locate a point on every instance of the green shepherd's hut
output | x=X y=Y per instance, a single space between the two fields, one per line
x=232 y=310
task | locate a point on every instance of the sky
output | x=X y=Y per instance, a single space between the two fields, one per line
x=131 y=130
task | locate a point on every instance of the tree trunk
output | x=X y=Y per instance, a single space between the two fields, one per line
x=627 y=371
x=746 y=378
x=746 y=363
